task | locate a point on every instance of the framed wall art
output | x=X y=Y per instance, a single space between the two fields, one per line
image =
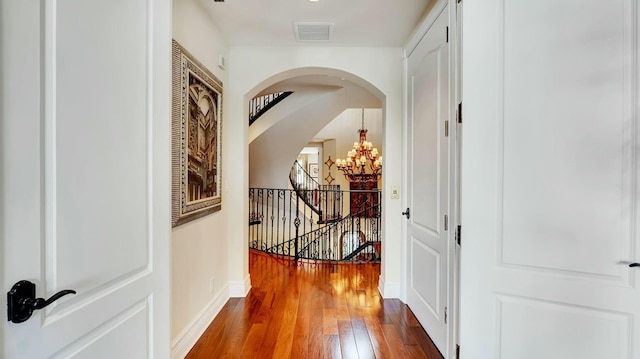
x=313 y=170
x=196 y=139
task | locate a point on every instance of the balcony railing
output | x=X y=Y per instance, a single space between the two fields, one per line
x=281 y=223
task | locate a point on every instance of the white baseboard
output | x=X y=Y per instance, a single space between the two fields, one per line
x=239 y=289
x=188 y=337
x=389 y=290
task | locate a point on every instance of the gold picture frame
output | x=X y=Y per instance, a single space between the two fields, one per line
x=196 y=128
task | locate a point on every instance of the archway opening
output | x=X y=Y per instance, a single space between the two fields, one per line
x=301 y=205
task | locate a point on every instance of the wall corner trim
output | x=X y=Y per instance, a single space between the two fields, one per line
x=182 y=344
x=389 y=290
x=238 y=289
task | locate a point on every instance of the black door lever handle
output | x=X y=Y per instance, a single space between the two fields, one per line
x=22 y=301
x=407 y=213
x=634 y=265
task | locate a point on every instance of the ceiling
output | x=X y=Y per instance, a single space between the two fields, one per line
x=377 y=23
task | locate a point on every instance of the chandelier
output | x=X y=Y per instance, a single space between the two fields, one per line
x=363 y=163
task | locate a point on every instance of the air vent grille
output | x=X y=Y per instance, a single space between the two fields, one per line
x=313 y=31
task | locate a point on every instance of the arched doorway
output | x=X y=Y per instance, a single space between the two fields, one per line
x=326 y=110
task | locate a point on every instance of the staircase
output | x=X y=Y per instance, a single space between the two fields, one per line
x=325 y=200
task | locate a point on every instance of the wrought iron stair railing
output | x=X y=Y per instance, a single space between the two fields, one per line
x=353 y=238
x=325 y=200
x=261 y=104
x=281 y=224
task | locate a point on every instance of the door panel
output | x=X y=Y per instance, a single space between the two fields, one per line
x=87 y=166
x=99 y=342
x=91 y=118
x=550 y=180
x=425 y=274
x=565 y=180
x=559 y=330
x=428 y=181
x=425 y=152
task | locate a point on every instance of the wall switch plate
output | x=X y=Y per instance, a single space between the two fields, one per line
x=395 y=192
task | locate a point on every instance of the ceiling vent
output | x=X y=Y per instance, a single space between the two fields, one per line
x=313 y=31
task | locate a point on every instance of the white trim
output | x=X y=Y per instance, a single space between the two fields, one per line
x=389 y=290
x=423 y=27
x=182 y=344
x=239 y=289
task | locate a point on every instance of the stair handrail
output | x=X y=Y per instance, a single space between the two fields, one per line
x=261 y=104
x=326 y=228
x=332 y=225
x=302 y=189
x=359 y=249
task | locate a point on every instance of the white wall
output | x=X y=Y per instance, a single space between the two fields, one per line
x=272 y=152
x=378 y=68
x=199 y=248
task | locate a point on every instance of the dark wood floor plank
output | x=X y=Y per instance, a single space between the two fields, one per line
x=285 y=337
x=378 y=340
x=300 y=343
x=347 y=341
x=361 y=336
x=425 y=343
x=316 y=338
x=332 y=347
x=395 y=343
x=251 y=347
x=313 y=310
x=329 y=322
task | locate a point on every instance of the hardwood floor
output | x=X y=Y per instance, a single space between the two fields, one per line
x=313 y=311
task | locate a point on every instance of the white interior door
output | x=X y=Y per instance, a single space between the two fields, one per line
x=85 y=138
x=428 y=85
x=550 y=180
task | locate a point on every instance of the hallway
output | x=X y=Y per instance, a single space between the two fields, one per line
x=313 y=311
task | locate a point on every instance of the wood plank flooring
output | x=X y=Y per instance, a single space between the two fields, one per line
x=309 y=310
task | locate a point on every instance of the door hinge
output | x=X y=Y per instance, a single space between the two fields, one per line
x=446 y=128
x=446 y=222
x=459 y=234
x=445 y=315
x=459 y=113
x=457 y=351
x=447 y=35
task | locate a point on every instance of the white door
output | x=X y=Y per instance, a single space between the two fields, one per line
x=85 y=180
x=550 y=187
x=428 y=85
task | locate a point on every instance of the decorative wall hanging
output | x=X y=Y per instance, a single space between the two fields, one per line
x=329 y=178
x=329 y=162
x=196 y=136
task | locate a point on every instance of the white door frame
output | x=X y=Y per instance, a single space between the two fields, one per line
x=454 y=153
